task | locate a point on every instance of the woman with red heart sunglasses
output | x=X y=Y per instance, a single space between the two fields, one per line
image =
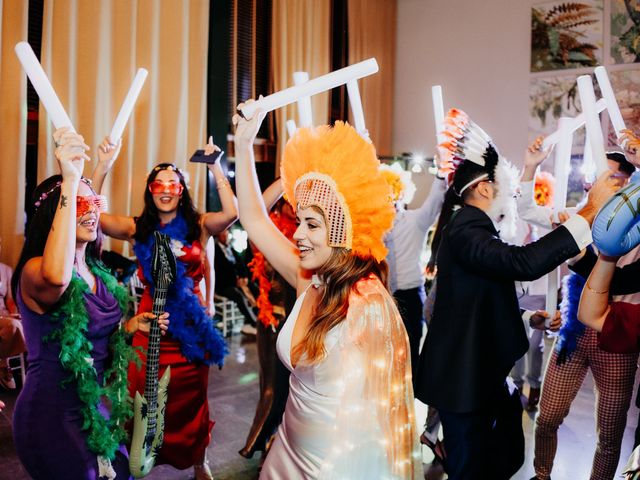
x=192 y=342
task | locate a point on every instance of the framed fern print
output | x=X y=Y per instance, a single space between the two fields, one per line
x=566 y=35
x=625 y=31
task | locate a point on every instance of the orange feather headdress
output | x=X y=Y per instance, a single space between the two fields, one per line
x=336 y=170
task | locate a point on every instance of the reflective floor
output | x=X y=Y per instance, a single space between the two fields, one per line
x=233 y=393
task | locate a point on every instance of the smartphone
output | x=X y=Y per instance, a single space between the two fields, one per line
x=200 y=157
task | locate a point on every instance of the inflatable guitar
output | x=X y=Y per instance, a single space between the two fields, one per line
x=616 y=228
x=148 y=410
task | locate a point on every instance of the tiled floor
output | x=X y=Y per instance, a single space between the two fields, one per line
x=232 y=398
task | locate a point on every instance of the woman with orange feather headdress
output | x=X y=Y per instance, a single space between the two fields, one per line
x=350 y=409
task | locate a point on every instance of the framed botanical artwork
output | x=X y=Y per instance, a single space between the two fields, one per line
x=626 y=86
x=566 y=35
x=625 y=31
x=551 y=98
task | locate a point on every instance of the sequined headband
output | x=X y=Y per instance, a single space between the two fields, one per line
x=43 y=196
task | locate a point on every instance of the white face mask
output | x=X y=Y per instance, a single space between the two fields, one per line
x=504 y=211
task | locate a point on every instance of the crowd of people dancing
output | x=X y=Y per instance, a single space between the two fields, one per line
x=338 y=305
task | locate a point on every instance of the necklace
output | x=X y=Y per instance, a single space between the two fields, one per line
x=104 y=436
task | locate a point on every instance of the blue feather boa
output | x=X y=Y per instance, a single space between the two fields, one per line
x=572 y=328
x=189 y=323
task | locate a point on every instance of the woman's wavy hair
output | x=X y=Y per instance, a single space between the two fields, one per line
x=42 y=210
x=148 y=221
x=340 y=273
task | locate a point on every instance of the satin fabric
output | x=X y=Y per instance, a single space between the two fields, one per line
x=351 y=414
x=187 y=428
x=47 y=422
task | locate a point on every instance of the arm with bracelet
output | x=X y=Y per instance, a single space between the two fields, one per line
x=215 y=222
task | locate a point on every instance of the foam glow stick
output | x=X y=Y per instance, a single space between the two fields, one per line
x=355 y=101
x=562 y=166
x=438 y=111
x=127 y=106
x=305 y=115
x=291 y=128
x=592 y=122
x=612 y=105
x=577 y=122
x=551 y=303
x=43 y=87
x=312 y=87
x=561 y=170
x=588 y=166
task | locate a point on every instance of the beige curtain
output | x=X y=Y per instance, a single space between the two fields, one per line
x=91 y=51
x=13 y=130
x=301 y=41
x=372 y=33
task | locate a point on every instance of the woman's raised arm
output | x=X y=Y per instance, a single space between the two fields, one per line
x=278 y=251
x=44 y=279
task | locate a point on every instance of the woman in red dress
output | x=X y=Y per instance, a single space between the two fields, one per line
x=192 y=342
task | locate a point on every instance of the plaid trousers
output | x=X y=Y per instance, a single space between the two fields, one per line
x=614 y=375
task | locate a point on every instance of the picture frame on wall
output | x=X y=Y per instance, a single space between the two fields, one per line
x=625 y=31
x=553 y=97
x=626 y=86
x=566 y=35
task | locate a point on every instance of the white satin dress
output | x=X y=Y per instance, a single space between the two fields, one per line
x=333 y=426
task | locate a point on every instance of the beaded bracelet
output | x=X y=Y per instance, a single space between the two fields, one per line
x=595 y=291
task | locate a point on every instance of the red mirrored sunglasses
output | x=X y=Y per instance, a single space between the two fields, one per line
x=84 y=204
x=157 y=187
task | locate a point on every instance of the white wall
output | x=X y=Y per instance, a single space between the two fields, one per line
x=478 y=50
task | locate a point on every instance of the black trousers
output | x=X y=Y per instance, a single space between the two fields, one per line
x=487 y=444
x=411 y=307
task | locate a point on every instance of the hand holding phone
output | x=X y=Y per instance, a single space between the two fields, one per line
x=210 y=155
x=200 y=157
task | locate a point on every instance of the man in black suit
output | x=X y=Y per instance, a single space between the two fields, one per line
x=476 y=334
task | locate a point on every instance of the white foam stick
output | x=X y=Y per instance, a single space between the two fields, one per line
x=291 y=128
x=588 y=167
x=305 y=113
x=312 y=87
x=562 y=166
x=610 y=98
x=561 y=170
x=127 y=106
x=592 y=122
x=43 y=87
x=551 y=303
x=438 y=111
x=577 y=122
x=356 y=107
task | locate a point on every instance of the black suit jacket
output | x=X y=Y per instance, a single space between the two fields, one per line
x=476 y=334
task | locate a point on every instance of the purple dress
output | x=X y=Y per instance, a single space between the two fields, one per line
x=47 y=420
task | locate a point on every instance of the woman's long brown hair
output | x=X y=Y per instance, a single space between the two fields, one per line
x=340 y=273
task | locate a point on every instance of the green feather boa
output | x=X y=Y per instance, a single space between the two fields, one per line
x=104 y=436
